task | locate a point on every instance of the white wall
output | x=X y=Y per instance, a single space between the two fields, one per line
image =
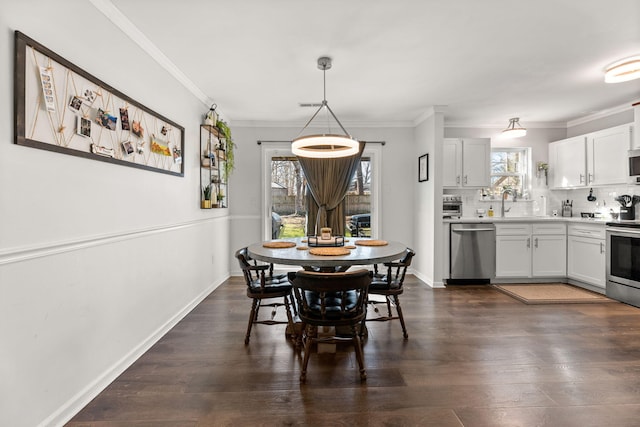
x=427 y=222
x=399 y=169
x=97 y=260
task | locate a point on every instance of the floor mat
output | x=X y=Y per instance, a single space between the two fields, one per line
x=551 y=293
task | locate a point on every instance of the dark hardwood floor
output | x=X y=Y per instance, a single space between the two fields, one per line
x=474 y=357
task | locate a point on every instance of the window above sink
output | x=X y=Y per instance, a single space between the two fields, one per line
x=510 y=169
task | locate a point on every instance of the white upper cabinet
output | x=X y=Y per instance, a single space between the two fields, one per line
x=452 y=163
x=466 y=162
x=598 y=158
x=607 y=156
x=569 y=164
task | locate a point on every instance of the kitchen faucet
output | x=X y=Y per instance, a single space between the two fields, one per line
x=505 y=192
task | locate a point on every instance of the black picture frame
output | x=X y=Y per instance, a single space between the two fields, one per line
x=423 y=168
x=21 y=136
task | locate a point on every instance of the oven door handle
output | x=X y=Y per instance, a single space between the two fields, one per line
x=623 y=231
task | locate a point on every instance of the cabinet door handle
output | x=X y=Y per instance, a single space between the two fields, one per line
x=528 y=242
x=458 y=179
x=465 y=179
x=601 y=247
x=591 y=178
x=581 y=178
x=535 y=242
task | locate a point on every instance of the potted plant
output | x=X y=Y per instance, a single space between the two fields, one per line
x=543 y=168
x=228 y=147
x=206 y=194
x=220 y=198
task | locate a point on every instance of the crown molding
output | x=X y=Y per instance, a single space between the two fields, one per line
x=529 y=125
x=114 y=14
x=299 y=124
x=432 y=110
x=600 y=114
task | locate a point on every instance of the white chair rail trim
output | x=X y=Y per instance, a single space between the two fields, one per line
x=13 y=255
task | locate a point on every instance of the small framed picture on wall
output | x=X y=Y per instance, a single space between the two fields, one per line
x=423 y=168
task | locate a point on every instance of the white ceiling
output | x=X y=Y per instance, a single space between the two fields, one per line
x=485 y=61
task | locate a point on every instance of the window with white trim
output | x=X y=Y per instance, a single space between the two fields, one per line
x=282 y=180
x=509 y=170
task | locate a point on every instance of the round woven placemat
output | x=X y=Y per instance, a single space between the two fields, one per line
x=302 y=248
x=278 y=245
x=329 y=251
x=349 y=247
x=371 y=242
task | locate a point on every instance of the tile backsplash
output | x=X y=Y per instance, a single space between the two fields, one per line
x=534 y=203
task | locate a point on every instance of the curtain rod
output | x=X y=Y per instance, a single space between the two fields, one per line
x=260 y=141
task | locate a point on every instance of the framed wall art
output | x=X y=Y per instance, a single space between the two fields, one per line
x=62 y=108
x=423 y=168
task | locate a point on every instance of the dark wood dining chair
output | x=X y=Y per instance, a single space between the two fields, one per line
x=331 y=299
x=262 y=284
x=390 y=286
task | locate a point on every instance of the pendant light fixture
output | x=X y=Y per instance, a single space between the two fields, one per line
x=325 y=145
x=514 y=129
x=623 y=70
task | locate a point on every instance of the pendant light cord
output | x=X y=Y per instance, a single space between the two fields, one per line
x=324 y=104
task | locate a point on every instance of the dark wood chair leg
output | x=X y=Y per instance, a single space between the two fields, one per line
x=252 y=318
x=293 y=304
x=257 y=309
x=300 y=337
x=400 y=316
x=307 y=352
x=359 y=354
x=290 y=325
x=388 y=306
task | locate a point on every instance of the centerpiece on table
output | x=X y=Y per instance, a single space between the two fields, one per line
x=325 y=239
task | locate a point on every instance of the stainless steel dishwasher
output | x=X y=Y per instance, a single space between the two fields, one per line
x=473 y=253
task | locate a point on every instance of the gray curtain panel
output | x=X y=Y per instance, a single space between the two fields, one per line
x=327 y=185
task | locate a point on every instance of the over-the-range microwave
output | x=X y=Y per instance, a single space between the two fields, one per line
x=634 y=167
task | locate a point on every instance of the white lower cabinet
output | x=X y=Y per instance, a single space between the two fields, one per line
x=549 y=258
x=531 y=250
x=513 y=256
x=586 y=254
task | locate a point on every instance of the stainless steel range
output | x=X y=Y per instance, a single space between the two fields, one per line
x=623 y=261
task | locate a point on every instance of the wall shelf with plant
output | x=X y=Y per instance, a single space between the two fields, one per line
x=217 y=161
x=228 y=146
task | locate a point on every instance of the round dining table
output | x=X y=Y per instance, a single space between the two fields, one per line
x=300 y=254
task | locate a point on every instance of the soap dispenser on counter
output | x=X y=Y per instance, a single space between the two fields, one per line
x=490 y=212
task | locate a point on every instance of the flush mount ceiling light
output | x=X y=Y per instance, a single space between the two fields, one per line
x=514 y=129
x=326 y=145
x=623 y=70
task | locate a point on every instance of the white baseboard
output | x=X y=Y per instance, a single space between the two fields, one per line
x=74 y=405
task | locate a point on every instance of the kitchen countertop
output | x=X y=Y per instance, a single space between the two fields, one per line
x=498 y=219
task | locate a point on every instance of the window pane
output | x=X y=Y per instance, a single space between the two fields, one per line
x=508 y=170
x=288 y=211
x=358 y=202
x=288 y=191
x=513 y=163
x=498 y=162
